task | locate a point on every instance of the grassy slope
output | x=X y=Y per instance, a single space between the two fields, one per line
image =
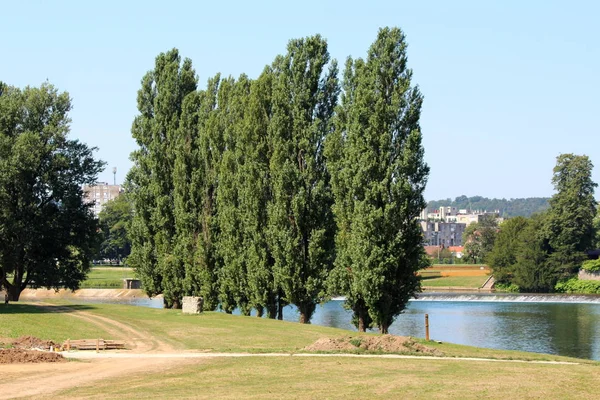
x=293 y=377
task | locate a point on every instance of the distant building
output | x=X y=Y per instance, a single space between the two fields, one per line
x=99 y=194
x=444 y=234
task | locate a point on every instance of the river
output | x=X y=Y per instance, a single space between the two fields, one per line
x=563 y=325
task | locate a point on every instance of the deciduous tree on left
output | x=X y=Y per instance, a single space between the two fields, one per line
x=48 y=234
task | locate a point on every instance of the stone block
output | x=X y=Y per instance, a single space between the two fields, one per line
x=192 y=305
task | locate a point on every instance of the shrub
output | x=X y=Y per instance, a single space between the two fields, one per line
x=506 y=287
x=591 y=265
x=575 y=285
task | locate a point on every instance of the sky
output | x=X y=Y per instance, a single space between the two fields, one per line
x=508 y=85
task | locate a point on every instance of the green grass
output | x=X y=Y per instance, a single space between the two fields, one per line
x=471 y=282
x=107 y=277
x=342 y=378
x=28 y=320
x=292 y=377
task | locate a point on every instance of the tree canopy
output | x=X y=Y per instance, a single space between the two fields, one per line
x=48 y=233
x=375 y=157
x=115 y=219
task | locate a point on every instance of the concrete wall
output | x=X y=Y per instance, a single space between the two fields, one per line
x=192 y=305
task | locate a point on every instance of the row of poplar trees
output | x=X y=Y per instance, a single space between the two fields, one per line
x=285 y=189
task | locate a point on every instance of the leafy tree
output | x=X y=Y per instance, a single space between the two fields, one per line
x=150 y=181
x=301 y=227
x=114 y=219
x=48 y=234
x=569 y=225
x=503 y=256
x=479 y=238
x=508 y=207
x=195 y=184
x=532 y=272
x=378 y=177
x=234 y=291
x=254 y=188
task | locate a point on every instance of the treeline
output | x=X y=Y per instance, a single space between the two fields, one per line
x=540 y=253
x=508 y=208
x=257 y=193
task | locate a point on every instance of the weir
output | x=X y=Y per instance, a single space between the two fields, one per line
x=510 y=297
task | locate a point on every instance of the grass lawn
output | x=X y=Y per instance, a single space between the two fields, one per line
x=291 y=377
x=456 y=281
x=343 y=378
x=107 y=277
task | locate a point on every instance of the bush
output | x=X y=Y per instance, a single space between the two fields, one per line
x=506 y=287
x=575 y=285
x=591 y=265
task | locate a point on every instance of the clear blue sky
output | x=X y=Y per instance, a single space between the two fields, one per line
x=508 y=85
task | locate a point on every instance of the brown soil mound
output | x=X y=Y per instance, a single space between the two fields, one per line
x=10 y=356
x=378 y=344
x=30 y=342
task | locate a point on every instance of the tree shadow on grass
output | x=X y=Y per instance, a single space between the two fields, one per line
x=16 y=308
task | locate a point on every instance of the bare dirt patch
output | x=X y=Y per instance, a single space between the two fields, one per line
x=373 y=344
x=31 y=342
x=26 y=349
x=10 y=356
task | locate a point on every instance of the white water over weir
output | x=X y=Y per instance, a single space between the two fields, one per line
x=510 y=297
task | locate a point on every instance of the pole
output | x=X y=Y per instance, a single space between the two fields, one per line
x=427 y=327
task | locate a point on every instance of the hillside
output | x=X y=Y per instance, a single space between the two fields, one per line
x=508 y=208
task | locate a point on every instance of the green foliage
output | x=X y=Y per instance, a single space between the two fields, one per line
x=503 y=255
x=479 y=238
x=115 y=218
x=48 y=234
x=591 y=265
x=301 y=226
x=378 y=176
x=508 y=208
x=575 y=285
x=506 y=287
x=569 y=225
x=150 y=181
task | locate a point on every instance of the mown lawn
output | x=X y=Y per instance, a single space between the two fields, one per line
x=293 y=377
x=107 y=277
x=471 y=282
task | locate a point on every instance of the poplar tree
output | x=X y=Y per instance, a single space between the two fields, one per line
x=150 y=180
x=301 y=227
x=378 y=178
x=233 y=99
x=254 y=188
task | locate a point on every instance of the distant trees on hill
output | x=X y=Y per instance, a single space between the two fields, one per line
x=508 y=208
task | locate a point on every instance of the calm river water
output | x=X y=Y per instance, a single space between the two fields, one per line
x=563 y=325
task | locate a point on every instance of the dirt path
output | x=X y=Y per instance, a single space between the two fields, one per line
x=137 y=340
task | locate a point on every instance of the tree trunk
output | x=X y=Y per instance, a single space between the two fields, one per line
x=259 y=311
x=361 y=320
x=383 y=329
x=279 y=309
x=13 y=292
x=176 y=304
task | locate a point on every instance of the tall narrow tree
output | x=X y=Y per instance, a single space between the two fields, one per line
x=376 y=161
x=301 y=227
x=570 y=219
x=151 y=179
